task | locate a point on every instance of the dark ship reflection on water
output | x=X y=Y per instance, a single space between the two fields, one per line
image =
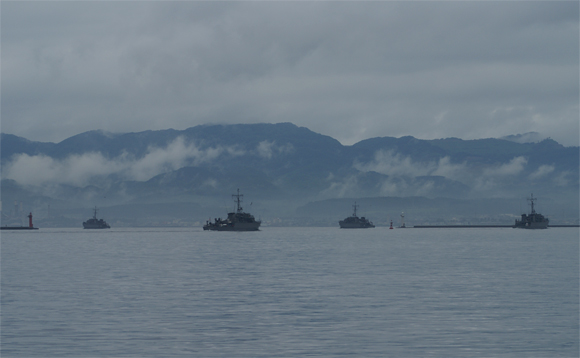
x=236 y=221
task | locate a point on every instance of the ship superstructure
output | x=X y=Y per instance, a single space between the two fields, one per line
x=236 y=221
x=94 y=223
x=354 y=222
x=533 y=220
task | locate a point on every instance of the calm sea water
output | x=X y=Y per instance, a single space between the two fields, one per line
x=290 y=292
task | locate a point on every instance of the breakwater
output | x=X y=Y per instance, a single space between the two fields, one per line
x=459 y=226
x=477 y=226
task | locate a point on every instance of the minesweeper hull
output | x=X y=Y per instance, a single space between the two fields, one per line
x=355 y=226
x=532 y=226
x=235 y=227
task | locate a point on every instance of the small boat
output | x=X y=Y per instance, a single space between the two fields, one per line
x=354 y=222
x=533 y=220
x=236 y=221
x=94 y=223
x=29 y=227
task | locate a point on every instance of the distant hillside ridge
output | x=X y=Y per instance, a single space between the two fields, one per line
x=281 y=164
x=247 y=136
x=137 y=143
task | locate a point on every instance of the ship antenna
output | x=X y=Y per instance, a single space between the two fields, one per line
x=238 y=200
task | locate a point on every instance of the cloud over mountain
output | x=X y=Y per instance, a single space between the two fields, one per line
x=81 y=169
x=283 y=162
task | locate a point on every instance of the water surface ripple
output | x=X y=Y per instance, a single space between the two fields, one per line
x=290 y=292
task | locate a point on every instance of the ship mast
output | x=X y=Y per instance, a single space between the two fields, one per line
x=532 y=199
x=354 y=206
x=238 y=200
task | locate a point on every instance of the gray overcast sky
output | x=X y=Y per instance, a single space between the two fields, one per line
x=350 y=70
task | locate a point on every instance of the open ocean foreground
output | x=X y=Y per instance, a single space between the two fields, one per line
x=290 y=292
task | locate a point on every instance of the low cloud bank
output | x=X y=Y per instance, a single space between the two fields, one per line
x=82 y=170
x=394 y=164
x=402 y=172
x=267 y=149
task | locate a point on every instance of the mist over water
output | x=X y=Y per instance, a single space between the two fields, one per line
x=285 y=292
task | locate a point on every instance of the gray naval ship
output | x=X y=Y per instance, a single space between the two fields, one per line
x=94 y=223
x=533 y=220
x=354 y=222
x=236 y=221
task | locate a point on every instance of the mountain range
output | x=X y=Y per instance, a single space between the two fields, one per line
x=185 y=176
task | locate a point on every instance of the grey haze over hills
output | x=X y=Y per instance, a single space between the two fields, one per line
x=288 y=175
